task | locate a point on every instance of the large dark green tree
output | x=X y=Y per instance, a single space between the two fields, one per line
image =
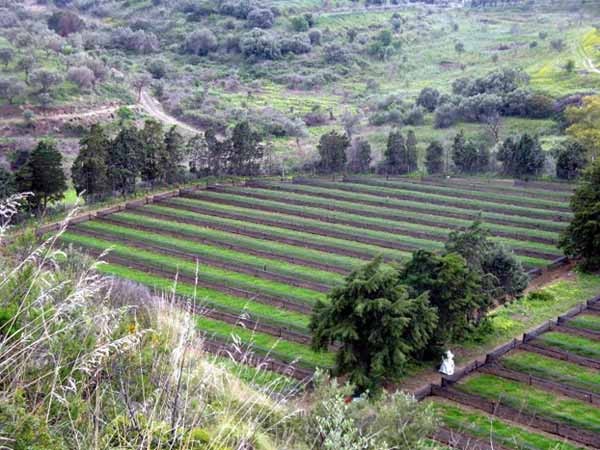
x=570 y=160
x=522 y=157
x=378 y=324
x=153 y=152
x=173 y=156
x=360 y=156
x=124 y=160
x=581 y=239
x=434 y=158
x=246 y=151
x=400 y=156
x=332 y=150
x=500 y=271
x=43 y=175
x=467 y=156
x=453 y=290
x=90 y=171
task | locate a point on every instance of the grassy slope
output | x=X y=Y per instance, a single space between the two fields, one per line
x=190 y=268
x=554 y=370
x=211 y=298
x=440 y=231
x=483 y=426
x=275 y=232
x=534 y=401
x=571 y=343
x=586 y=321
x=220 y=254
x=513 y=319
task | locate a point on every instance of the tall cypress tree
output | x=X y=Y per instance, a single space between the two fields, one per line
x=153 y=152
x=394 y=154
x=124 y=160
x=43 y=175
x=246 y=151
x=412 y=156
x=434 y=158
x=90 y=171
x=173 y=155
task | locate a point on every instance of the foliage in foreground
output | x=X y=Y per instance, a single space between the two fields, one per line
x=89 y=362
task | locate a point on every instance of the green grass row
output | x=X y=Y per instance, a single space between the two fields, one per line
x=172 y=209
x=490 y=428
x=400 y=216
x=534 y=401
x=494 y=197
x=202 y=272
x=277 y=232
x=216 y=253
x=262 y=379
x=473 y=213
x=577 y=345
x=251 y=243
x=482 y=185
x=554 y=370
x=421 y=196
x=210 y=298
x=586 y=321
x=287 y=219
x=442 y=231
x=267 y=344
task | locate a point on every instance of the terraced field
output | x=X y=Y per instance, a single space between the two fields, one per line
x=258 y=257
x=543 y=394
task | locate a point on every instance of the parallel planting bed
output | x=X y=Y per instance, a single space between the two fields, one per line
x=543 y=394
x=257 y=258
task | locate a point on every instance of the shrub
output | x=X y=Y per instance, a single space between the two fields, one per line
x=82 y=76
x=428 y=99
x=260 y=44
x=299 y=24
x=541 y=296
x=260 y=18
x=201 y=42
x=296 y=45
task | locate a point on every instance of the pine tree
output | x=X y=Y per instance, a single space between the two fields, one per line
x=523 y=157
x=378 y=325
x=412 y=155
x=124 y=160
x=246 y=151
x=453 y=290
x=394 y=154
x=581 y=239
x=153 y=151
x=90 y=171
x=43 y=175
x=332 y=150
x=434 y=158
x=173 y=156
x=360 y=159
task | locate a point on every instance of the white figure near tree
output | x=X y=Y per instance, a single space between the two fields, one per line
x=447 y=367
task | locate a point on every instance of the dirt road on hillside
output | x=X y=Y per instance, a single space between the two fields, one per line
x=154 y=109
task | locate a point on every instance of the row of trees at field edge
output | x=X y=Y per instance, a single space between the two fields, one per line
x=107 y=166
x=521 y=157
